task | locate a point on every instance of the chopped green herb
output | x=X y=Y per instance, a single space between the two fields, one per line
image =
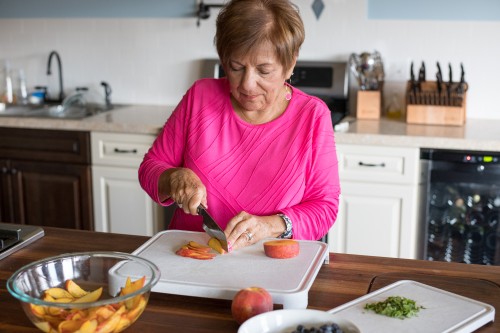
x=395 y=306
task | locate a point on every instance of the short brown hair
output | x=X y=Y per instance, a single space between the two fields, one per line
x=244 y=24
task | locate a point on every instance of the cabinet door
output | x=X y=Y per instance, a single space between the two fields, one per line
x=373 y=220
x=52 y=194
x=6 y=195
x=121 y=205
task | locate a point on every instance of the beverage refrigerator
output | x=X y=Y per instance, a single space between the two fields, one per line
x=461 y=206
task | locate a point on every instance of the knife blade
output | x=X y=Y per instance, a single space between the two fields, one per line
x=450 y=83
x=413 y=86
x=439 y=81
x=461 y=85
x=212 y=228
x=421 y=73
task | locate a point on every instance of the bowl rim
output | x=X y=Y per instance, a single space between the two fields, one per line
x=281 y=312
x=23 y=297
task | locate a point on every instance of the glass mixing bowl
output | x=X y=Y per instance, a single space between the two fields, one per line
x=85 y=291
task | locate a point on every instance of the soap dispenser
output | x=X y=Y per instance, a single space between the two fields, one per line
x=7 y=92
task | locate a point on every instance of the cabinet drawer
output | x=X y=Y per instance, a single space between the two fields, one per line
x=119 y=149
x=45 y=145
x=378 y=164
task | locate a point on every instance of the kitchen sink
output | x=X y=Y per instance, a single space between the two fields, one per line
x=53 y=111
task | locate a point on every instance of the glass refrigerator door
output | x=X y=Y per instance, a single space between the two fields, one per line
x=462 y=222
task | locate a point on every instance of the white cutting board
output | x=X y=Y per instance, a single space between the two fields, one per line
x=287 y=280
x=444 y=311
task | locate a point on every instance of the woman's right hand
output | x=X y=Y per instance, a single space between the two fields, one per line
x=184 y=187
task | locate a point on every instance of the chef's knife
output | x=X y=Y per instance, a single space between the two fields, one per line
x=421 y=73
x=450 y=82
x=461 y=85
x=413 y=86
x=439 y=79
x=212 y=228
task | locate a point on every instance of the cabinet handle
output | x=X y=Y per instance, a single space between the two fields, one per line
x=5 y=170
x=382 y=165
x=125 y=151
x=13 y=171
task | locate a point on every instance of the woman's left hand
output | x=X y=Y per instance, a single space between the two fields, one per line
x=245 y=229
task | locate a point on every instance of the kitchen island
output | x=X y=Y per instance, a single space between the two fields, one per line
x=345 y=278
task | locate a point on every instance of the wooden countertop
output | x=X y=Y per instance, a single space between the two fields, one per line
x=345 y=278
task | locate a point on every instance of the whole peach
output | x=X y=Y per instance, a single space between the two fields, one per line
x=250 y=302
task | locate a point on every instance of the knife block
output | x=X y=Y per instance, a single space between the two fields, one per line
x=429 y=107
x=369 y=104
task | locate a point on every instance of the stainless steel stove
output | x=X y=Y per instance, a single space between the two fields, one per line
x=327 y=80
x=16 y=236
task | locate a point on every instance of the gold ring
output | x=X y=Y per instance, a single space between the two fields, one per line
x=249 y=235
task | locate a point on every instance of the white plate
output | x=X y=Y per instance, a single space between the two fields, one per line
x=287 y=320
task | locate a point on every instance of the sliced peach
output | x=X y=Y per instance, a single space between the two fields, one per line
x=90 y=297
x=91 y=313
x=45 y=327
x=110 y=324
x=48 y=298
x=76 y=314
x=215 y=244
x=38 y=310
x=58 y=293
x=139 y=283
x=194 y=254
x=69 y=326
x=54 y=320
x=133 y=314
x=198 y=247
x=63 y=300
x=56 y=312
x=123 y=323
x=74 y=289
x=134 y=286
x=130 y=286
x=88 y=326
x=104 y=312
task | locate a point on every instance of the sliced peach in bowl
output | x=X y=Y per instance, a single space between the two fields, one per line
x=99 y=291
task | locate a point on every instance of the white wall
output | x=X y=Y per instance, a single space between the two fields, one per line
x=153 y=61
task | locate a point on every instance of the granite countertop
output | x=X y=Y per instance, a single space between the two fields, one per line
x=476 y=134
x=137 y=119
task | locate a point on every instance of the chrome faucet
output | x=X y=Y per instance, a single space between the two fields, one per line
x=107 y=95
x=61 y=90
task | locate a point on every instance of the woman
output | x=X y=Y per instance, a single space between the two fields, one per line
x=258 y=153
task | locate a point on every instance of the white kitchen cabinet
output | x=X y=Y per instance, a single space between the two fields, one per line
x=378 y=210
x=120 y=204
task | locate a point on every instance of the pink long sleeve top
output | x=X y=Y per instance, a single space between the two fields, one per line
x=288 y=165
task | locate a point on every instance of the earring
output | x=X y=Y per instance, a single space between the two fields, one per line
x=288 y=94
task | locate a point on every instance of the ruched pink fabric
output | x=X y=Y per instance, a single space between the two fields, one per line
x=288 y=165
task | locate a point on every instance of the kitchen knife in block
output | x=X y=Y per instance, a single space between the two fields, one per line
x=212 y=228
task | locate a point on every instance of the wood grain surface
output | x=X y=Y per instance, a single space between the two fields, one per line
x=345 y=278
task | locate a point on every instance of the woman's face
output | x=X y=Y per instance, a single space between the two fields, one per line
x=257 y=79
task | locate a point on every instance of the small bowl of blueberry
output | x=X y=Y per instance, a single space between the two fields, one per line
x=297 y=321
